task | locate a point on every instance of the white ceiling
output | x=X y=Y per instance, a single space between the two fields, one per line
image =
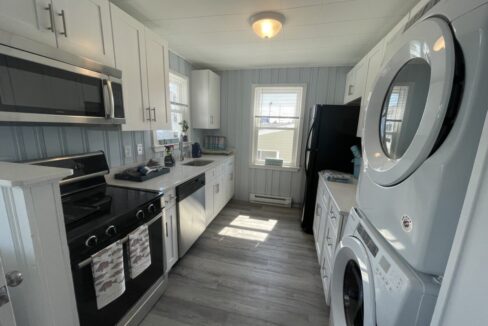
x=216 y=33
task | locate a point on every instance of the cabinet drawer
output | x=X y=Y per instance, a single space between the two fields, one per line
x=334 y=215
x=210 y=175
x=325 y=274
x=330 y=241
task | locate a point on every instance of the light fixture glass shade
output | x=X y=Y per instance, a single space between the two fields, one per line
x=267 y=24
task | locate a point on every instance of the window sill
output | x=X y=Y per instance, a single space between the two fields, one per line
x=275 y=168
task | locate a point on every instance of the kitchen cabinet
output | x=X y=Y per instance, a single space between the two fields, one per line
x=83 y=27
x=205 y=99
x=80 y=27
x=31 y=19
x=130 y=57
x=157 y=55
x=375 y=59
x=170 y=225
x=355 y=80
x=143 y=58
x=219 y=188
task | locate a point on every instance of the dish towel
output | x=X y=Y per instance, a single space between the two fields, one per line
x=108 y=274
x=139 y=251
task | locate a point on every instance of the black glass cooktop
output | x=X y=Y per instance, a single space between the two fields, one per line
x=102 y=202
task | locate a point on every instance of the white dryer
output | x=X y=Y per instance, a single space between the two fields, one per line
x=371 y=285
x=422 y=128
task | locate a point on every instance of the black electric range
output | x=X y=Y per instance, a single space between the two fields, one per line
x=97 y=215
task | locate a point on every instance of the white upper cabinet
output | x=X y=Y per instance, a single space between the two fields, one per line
x=355 y=81
x=375 y=59
x=157 y=55
x=130 y=57
x=143 y=58
x=83 y=27
x=32 y=19
x=205 y=99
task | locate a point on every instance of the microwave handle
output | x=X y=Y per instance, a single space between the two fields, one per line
x=108 y=99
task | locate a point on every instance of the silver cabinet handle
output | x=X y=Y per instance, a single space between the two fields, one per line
x=154 y=111
x=49 y=8
x=14 y=278
x=62 y=14
x=167 y=230
x=149 y=112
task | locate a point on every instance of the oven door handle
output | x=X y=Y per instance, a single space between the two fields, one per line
x=88 y=261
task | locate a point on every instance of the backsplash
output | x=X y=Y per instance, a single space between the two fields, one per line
x=31 y=142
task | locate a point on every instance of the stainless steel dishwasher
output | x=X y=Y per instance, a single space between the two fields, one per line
x=190 y=197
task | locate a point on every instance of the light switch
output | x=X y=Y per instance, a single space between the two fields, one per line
x=140 y=149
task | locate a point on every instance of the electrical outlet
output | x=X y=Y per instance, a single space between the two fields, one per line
x=128 y=151
x=140 y=149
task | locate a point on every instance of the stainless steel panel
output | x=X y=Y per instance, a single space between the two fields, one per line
x=55 y=118
x=191 y=220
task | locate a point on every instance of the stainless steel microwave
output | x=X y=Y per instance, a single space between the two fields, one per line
x=38 y=88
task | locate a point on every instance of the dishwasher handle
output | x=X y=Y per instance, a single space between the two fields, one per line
x=189 y=187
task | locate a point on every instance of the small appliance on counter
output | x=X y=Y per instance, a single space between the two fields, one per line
x=169 y=160
x=142 y=172
x=216 y=145
x=196 y=150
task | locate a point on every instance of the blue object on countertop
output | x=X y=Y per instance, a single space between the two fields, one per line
x=196 y=150
x=355 y=151
x=357 y=166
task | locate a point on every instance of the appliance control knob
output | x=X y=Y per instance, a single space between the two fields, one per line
x=140 y=214
x=151 y=209
x=91 y=241
x=111 y=231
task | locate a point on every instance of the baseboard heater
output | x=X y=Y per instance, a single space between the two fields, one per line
x=270 y=200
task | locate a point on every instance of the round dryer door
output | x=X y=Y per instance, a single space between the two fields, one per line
x=352 y=288
x=409 y=102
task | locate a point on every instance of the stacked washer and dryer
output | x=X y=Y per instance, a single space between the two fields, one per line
x=422 y=129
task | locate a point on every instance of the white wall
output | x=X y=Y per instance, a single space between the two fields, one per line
x=325 y=85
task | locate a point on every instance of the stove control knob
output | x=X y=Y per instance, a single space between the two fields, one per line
x=151 y=209
x=111 y=231
x=140 y=214
x=91 y=241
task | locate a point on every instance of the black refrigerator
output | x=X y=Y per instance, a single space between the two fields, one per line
x=329 y=140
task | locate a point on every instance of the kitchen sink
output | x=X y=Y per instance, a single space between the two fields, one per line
x=198 y=163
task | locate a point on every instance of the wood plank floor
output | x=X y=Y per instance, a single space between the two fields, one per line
x=252 y=266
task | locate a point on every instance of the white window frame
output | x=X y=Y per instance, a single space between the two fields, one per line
x=296 y=165
x=186 y=111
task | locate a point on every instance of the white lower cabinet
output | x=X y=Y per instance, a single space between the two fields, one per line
x=170 y=228
x=219 y=188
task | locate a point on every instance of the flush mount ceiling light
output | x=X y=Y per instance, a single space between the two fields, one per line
x=267 y=24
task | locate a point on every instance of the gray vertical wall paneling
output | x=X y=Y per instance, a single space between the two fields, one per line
x=324 y=85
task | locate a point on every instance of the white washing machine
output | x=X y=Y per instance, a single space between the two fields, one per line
x=422 y=129
x=372 y=285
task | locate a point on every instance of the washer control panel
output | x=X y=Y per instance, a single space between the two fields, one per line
x=385 y=273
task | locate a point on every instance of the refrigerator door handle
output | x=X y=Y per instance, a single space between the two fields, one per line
x=308 y=149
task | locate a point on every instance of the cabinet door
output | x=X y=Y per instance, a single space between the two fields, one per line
x=214 y=100
x=375 y=59
x=317 y=225
x=84 y=28
x=209 y=201
x=219 y=197
x=360 y=78
x=349 y=91
x=158 y=80
x=170 y=236
x=130 y=57
x=28 y=18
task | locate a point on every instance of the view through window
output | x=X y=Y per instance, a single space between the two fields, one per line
x=277 y=123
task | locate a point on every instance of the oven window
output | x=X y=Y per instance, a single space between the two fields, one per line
x=403 y=107
x=29 y=87
x=353 y=295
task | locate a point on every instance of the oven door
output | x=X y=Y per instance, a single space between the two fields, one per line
x=135 y=288
x=34 y=88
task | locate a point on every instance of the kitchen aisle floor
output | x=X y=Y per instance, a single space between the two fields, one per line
x=252 y=266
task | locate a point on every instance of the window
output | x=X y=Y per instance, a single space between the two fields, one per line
x=277 y=124
x=179 y=101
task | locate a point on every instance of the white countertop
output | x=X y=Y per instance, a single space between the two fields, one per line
x=21 y=174
x=344 y=194
x=177 y=175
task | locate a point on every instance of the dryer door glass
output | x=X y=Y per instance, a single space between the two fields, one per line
x=403 y=107
x=353 y=295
